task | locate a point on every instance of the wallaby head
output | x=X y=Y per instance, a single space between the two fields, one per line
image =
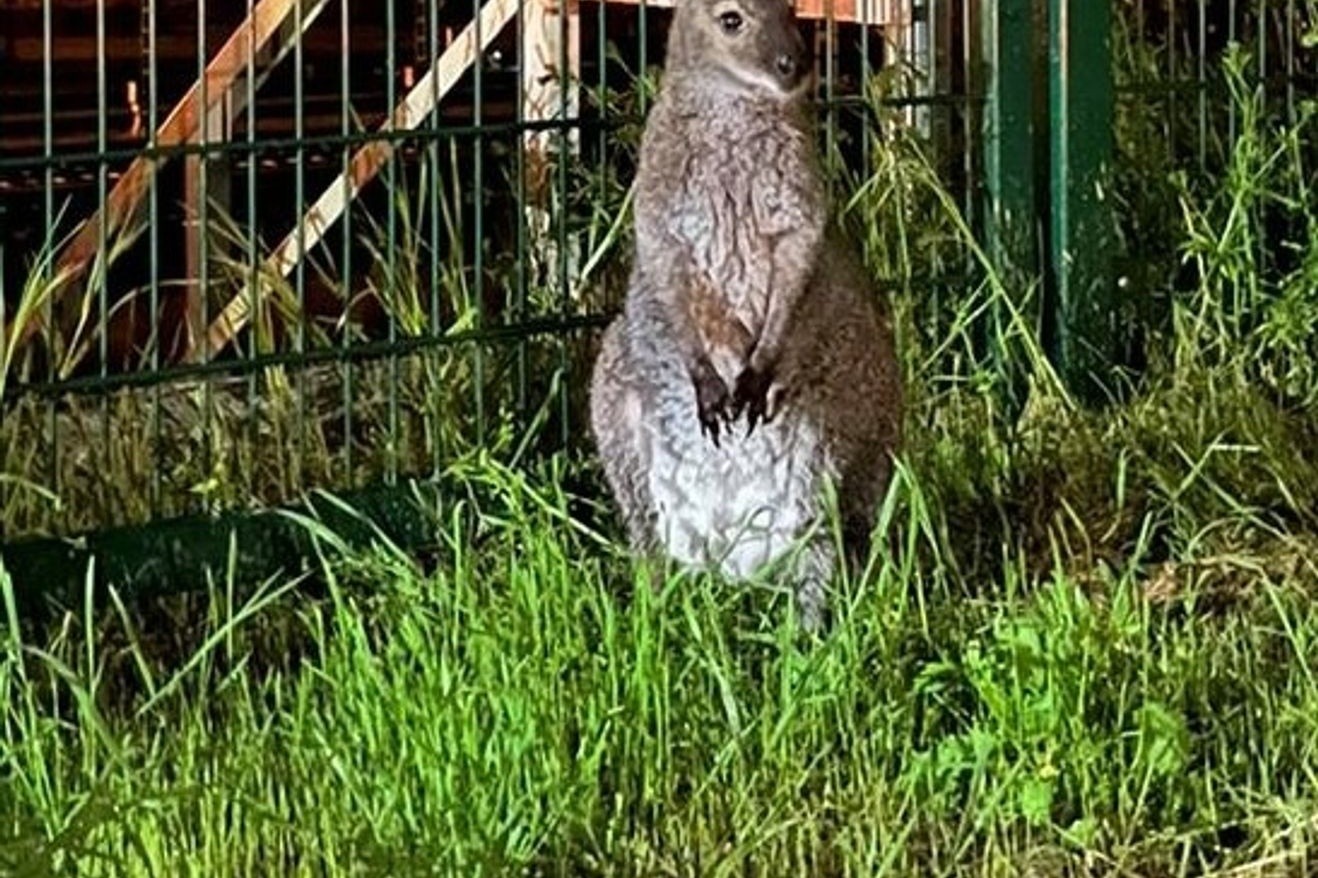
x=751 y=45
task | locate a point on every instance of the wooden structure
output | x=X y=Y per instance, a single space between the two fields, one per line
x=549 y=39
x=365 y=165
x=267 y=35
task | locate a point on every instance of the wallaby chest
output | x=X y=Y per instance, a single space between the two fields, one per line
x=720 y=184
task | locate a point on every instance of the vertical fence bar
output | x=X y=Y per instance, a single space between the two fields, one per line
x=195 y=190
x=565 y=45
x=201 y=305
x=1173 y=74
x=973 y=17
x=1080 y=257
x=867 y=17
x=1232 y=32
x=830 y=91
x=47 y=121
x=1010 y=210
x=937 y=42
x=345 y=129
x=1201 y=84
x=153 y=256
x=602 y=113
x=102 y=230
x=4 y=316
x=300 y=267
x=522 y=231
x=253 y=255
x=1009 y=126
x=433 y=194
x=391 y=253
x=1290 y=62
x=642 y=53
x=48 y=151
x=478 y=220
x=1261 y=37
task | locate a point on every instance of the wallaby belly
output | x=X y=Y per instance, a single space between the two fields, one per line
x=742 y=504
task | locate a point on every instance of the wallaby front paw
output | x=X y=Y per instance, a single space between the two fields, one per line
x=712 y=400
x=757 y=395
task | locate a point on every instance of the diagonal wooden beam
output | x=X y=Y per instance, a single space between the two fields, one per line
x=268 y=20
x=365 y=164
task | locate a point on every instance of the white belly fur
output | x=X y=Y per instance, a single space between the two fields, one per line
x=739 y=506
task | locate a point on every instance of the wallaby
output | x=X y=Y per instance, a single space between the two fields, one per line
x=744 y=304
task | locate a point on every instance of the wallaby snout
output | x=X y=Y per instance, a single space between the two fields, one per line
x=792 y=64
x=787 y=55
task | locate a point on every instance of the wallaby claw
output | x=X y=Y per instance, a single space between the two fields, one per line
x=709 y=426
x=712 y=400
x=752 y=396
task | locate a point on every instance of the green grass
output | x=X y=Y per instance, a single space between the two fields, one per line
x=534 y=702
x=1086 y=644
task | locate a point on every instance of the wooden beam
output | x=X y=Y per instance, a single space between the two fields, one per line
x=549 y=42
x=899 y=49
x=181 y=126
x=204 y=182
x=551 y=73
x=76 y=49
x=365 y=164
x=37 y=5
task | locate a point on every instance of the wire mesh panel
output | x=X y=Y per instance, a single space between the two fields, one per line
x=1188 y=73
x=255 y=248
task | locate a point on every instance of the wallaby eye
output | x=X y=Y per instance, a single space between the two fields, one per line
x=731 y=21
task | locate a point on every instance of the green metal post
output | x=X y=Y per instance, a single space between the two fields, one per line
x=4 y=229
x=1081 y=242
x=1011 y=209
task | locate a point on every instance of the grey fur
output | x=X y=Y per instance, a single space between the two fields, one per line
x=753 y=363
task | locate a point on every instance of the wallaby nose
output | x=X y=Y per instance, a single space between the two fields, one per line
x=786 y=65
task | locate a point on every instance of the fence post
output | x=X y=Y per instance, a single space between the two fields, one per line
x=551 y=75
x=1011 y=168
x=1080 y=263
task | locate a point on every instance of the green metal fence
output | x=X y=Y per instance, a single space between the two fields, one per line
x=253 y=249
x=1176 y=114
x=189 y=351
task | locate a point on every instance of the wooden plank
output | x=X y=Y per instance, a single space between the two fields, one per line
x=198 y=194
x=899 y=52
x=550 y=42
x=37 y=5
x=180 y=127
x=75 y=49
x=365 y=164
